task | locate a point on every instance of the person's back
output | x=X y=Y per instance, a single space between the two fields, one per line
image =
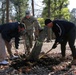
x=66 y=24
x=9 y=29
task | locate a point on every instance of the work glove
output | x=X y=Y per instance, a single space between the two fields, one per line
x=54 y=46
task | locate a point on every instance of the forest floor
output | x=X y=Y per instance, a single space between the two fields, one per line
x=51 y=64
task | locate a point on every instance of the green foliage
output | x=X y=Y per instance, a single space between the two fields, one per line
x=20 y=6
x=41 y=21
x=65 y=13
x=58 y=9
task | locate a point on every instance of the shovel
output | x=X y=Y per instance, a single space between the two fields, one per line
x=45 y=53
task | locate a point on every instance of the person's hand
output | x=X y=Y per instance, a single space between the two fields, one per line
x=16 y=52
x=54 y=46
x=60 y=40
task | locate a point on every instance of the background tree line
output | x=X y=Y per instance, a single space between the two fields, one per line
x=58 y=9
x=16 y=9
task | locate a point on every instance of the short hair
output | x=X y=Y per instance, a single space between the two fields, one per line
x=47 y=21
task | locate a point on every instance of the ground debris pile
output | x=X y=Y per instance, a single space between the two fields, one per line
x=52 y=65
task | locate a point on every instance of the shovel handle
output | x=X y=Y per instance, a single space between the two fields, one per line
x=45 y=53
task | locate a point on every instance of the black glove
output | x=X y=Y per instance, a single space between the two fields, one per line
x=17 y=42
x=16 y=46
x=54 y=46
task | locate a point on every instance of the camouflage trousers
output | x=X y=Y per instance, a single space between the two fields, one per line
x=28 y=43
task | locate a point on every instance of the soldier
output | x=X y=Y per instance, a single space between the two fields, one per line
x=31 y=23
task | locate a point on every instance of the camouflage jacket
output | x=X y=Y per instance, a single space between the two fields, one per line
x=31 y=23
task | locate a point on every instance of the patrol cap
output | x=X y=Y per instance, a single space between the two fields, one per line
x=27 y=12
x=47 y=21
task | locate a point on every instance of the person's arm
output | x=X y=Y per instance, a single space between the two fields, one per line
x=17 y=41
x=37 y=26
x=59 y=32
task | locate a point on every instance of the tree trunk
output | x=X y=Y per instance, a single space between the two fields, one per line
x=38 y=45
x=35 y=52
x=3 y=12
x=7 y=11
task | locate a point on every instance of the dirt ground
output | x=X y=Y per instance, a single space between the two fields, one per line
x=62 y=68
x=46 y=46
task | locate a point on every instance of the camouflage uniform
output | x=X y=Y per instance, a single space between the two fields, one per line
x=30 y=24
